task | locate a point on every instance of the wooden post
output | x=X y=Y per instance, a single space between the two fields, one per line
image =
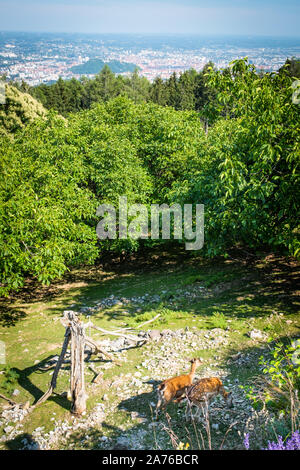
x=77 y=364
x=75 y=332
x=56 y=370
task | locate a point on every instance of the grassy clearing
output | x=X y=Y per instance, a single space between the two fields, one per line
x=231 y=295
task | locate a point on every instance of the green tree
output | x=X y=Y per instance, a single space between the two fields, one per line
x=291 y=67
x=248 y=173
x=158 y=92
x=186 y=89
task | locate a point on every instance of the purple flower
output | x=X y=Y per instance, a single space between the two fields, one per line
x=246 y=441
x=293 y=443
x=276 y=445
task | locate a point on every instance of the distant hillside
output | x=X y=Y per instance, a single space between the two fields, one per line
x=94 y=66
x=19 y=109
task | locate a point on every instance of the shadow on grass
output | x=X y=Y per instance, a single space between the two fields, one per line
x=257 y=282
x=20 y=441
x=25 y=382
x=10 y=316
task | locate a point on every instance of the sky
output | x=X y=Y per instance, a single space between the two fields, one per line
x=209 y=17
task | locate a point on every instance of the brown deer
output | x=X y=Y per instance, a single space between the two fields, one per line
x=173 y=389
x=202 y=392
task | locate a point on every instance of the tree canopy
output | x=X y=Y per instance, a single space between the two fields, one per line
x=55 y=171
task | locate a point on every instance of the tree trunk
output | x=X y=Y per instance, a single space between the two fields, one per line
x=77 y=365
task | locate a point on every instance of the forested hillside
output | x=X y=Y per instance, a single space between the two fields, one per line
x=187 y=91
x=55 y=171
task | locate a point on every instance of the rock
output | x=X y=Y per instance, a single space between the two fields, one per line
x=66 y=395
x=154 y=335
x=257 y=334
x=8 y=429
x=167 y=332
x=152 y=425
x=33 y=446
x=236 y=356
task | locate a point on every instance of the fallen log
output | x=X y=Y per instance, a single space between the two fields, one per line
x=132 y=338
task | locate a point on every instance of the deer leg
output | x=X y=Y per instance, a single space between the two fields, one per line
x=188 y=411
x=198 y=413
x=179 y=399
x=162 y=403
x=159 y=404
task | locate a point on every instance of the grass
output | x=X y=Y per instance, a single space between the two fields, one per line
x=210 y=279
x=232 y=295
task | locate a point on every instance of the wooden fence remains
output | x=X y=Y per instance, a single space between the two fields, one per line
x=75 y=336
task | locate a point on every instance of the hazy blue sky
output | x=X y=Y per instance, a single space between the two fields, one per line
x=255 y=17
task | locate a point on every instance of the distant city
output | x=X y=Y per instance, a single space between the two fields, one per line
x=43 y=57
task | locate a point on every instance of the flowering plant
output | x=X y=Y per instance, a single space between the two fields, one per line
x=292 y=443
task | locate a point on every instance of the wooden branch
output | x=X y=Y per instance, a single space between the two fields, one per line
x=118 y=330
x=131 y=338
x=11 y=402
x=98 y=375
x=56 y=370
x=149 y=321
x=138 y=326
x=100 y=350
